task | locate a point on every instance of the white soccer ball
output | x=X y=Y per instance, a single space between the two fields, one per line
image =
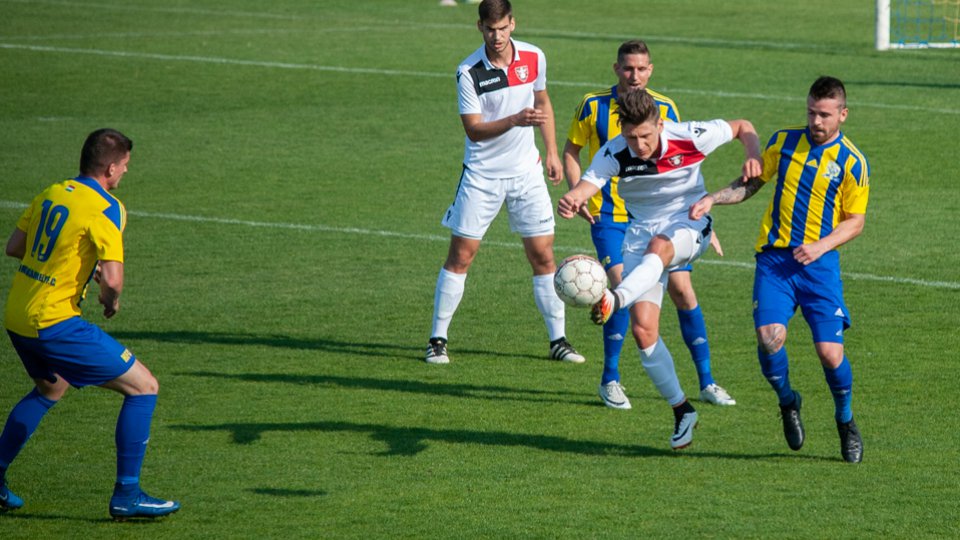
x=580 y=281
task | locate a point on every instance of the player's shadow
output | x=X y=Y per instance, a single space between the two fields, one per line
x=904 y=84
x=365 y=349
x=410 y=386
x=282 y=492
x=410 y=441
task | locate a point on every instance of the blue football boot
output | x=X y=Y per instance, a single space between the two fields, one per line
x=9 y=499
x=141 y=506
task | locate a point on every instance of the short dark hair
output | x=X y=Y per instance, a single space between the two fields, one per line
x=103 y=148
x=637 y=107
x=634 y=46
x=829 y=88
x=495 y=10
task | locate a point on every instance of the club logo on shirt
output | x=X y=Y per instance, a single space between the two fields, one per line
x=522 y=73
x=833 y=171
x=676 y=161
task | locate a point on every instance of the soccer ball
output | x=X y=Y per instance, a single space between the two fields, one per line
x=580 y=281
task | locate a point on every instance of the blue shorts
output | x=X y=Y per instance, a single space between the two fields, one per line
x=76 y=350
x=780 y=284
x=608 y=241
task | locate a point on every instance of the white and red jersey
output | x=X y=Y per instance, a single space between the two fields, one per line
x=667 y=184
x=496 y=93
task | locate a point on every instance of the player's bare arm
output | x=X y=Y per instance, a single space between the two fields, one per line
x=478 y=130
x=573 y=171
x=848 y=229
x=744 y=131
x=541 y=102
x=17 y=244
x=574 y=200
x=111 y=285
x=738 y=191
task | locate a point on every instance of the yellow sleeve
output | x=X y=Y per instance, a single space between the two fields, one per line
x=108 y=239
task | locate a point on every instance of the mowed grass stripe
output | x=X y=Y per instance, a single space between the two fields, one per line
x=445 y=238
x=445 y=75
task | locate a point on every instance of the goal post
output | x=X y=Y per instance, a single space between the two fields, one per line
x=917 y=24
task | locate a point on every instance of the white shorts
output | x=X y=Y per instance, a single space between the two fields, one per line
x=690 y=240
x=479 y=199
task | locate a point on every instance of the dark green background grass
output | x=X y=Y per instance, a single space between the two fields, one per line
x=292 y=162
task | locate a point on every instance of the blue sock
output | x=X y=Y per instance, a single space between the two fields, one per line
x=133 y=432
x=840 y=381
x=614 y=332
x=775 y=369
x=23 y=420
x=694 y=332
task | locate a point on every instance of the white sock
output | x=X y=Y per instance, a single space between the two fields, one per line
x=658 y=364
x=446 y=298
x=641 y=279
x=550 y=306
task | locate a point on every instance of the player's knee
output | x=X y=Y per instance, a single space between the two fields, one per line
x=645 y=336
x=144 y=382
x=682 y=295
x=771 y=338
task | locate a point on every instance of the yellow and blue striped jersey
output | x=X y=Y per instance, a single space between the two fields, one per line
x=594 y=124
x=816 y=187
x=70 y=226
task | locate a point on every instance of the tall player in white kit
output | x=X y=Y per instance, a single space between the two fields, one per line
x=502 y=95
x=659 y=168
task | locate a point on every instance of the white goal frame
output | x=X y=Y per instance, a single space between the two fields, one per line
x=885 y=41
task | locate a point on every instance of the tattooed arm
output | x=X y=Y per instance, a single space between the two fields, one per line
x=738 y=191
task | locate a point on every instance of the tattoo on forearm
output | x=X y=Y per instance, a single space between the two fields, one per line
x=737 y=191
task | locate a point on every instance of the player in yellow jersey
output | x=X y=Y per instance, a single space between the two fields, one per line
x=71 y=233
x=595 y=123
x=821 y=186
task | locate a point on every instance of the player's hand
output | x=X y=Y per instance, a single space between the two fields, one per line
x=715 y=243
x=554 y=170
x=752 y=168
x=808 y=253
x=529 y=117
x=585 y=213
x=109 y=308
x=701 y=207
x=568 y=206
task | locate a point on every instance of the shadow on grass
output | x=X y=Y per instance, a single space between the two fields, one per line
x=384 y=350
x=408 y=386
x=26 y=515
x=279 y=492
x=404 y=441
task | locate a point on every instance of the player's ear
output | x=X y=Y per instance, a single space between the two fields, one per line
x=843 y=115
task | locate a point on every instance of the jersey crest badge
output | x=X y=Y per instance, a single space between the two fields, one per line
x=833 y=171
x=522 y=73
x=675 y=161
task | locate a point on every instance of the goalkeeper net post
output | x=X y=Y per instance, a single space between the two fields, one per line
x=917 y=24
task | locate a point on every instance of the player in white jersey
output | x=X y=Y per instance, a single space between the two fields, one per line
x=659 y=168
x=502 y=96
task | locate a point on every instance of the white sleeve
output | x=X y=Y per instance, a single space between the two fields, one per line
x=541 y=82
x=603 y=167
x=710 y=135
x=467 y=100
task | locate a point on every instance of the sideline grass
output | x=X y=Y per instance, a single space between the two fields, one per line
x=294 y=402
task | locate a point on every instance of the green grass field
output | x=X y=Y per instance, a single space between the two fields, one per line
x=292 y=163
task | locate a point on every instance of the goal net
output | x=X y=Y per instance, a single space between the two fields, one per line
x=917 y=24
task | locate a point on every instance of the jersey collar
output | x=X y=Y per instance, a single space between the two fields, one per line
x=489 y=64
